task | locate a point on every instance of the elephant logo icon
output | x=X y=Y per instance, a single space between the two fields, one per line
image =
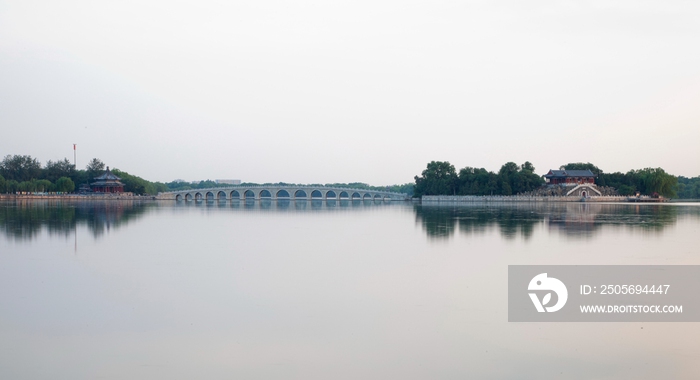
x=542 y=282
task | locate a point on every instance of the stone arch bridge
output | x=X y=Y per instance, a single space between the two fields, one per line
x=275 y=192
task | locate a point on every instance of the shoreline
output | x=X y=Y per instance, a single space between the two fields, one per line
x=453 y=199
x=427 y=199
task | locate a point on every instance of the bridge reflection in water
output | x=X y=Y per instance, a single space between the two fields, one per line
x=286 y=204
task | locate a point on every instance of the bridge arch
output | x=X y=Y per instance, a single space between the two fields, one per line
x=355 y=195
x=367 y=196
x=178 y=198
x=316 y=194
x=377 y=197
x=188 y=197
x=209 y=195
x=235 y=195
x=197 y=196
x=330 y=194
x=283 y=194
x=300 y=194
x=221 y=195
x=343 y=194
x=249 y=194
x=265 y=194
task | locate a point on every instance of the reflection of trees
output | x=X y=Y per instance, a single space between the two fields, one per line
x=572 y=219
x=25 y=219
x=441 y=221
x=585 y=219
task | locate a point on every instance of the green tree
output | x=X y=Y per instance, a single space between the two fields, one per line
x=505 y=188
x=626 y=190
x=527 y=167
x=43 y=185
x=134 y=184
x=11 y=186
x=657 y=181
x=519 y=179
x=439 y=178
x=3 y=187
x=26 y=186
x=508 y=169
x=94 y=168
x=57 y=169
x=80 y=177
x=20 y=168
x=65 y=185
x=688 y=188
x=473 y=181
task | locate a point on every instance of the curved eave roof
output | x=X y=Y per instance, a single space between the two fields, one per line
x=570 y=173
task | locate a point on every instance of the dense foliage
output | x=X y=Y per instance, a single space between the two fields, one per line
x=25 y=174
x=645 y=181
x=440 y=178
x=138 y=185
x=688 y=188
x=406 y=188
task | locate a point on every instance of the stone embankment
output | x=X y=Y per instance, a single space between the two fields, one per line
x=515 y=198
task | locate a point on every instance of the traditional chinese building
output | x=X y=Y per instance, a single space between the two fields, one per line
x=107 y=183
x=569 y=177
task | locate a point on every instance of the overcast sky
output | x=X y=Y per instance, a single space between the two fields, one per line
x=345 y=91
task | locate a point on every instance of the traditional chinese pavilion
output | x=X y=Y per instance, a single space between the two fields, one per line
x=569 y=177
x=107 y=183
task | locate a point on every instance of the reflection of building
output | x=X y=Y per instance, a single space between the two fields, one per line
x=107 y=183
x=569 y=177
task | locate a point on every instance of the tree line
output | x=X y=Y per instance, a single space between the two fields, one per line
x=406 y=188
x=688 y=188
x=26 y=174
x=23 y=173
x=646 y=181
x=441 y=178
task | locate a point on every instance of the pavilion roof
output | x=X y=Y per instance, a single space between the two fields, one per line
x=570 y=173
x=107 y=176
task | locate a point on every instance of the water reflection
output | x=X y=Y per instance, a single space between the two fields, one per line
x=25 y=219
x=286 y=204
x=581 y=220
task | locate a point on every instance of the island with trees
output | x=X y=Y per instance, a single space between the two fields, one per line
x=441 y=178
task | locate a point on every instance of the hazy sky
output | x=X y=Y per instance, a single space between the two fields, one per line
x=344 y=91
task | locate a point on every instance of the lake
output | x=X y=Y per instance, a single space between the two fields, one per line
x=322 y=290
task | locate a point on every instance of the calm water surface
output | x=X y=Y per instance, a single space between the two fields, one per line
x=316 y=290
